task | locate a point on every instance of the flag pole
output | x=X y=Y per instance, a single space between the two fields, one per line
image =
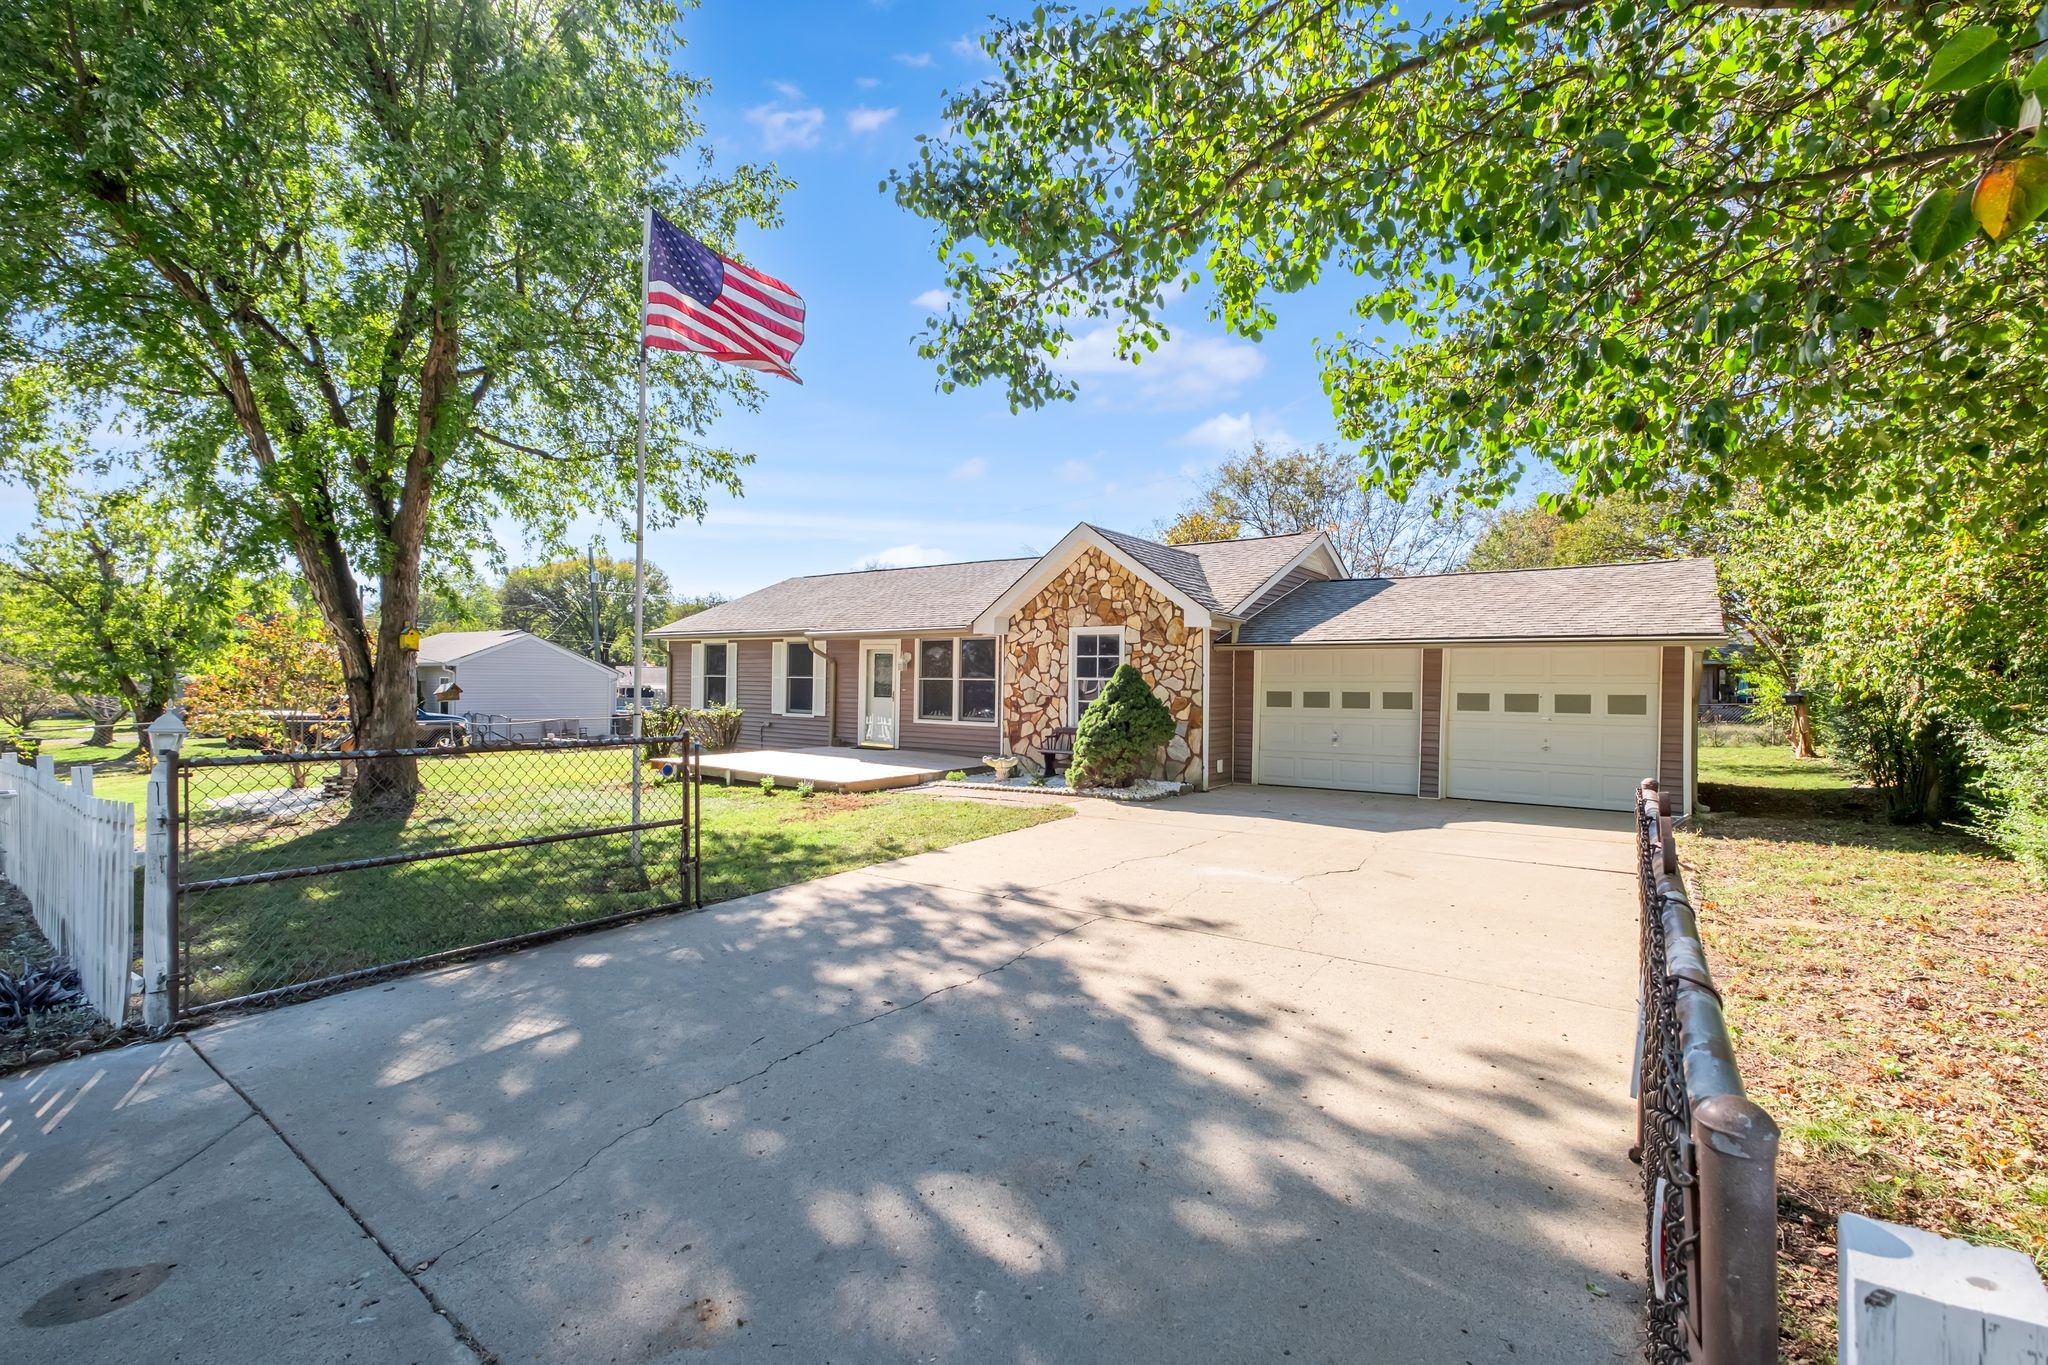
x=640 y=531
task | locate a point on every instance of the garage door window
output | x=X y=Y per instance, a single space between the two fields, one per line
x=1397 y=701
x=1357 y=701
x=1475 y=701
x=1521 y=703
x=1319 y=701
x=1572 y=703
x=1627 y=704
x=1279 y=701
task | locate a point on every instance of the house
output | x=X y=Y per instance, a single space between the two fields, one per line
x=1554 y=686
x=515 y=685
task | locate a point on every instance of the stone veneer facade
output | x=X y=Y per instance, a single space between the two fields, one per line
x=1097 y=591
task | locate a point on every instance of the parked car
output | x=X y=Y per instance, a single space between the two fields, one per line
x=437 y=731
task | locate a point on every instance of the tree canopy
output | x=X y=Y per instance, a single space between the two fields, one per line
x=1782 y=244
x=367 y=271
x=1271 y=492
x=554 y=601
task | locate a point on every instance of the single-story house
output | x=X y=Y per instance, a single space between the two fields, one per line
x=1553 y=686
x=514 y=685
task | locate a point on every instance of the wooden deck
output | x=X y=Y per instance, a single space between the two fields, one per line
x=836 y=769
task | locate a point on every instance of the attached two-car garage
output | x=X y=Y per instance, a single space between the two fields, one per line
x=1559 y=687
x=1571 y=725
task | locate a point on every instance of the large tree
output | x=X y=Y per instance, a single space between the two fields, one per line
x=120 y=593
x=1272 y=492
x=555 y=601
x=368 y=270
x=1692 y=246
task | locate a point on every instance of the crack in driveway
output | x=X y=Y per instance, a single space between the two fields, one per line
x=621 y=1136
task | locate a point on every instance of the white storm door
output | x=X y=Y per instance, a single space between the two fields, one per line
x=878 y=696
x=1343 y=718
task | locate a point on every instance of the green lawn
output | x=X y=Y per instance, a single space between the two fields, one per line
x=251 y=938
x=1888 y=987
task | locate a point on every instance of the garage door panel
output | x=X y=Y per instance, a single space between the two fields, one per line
x=1349 y=739
x=1591 y=753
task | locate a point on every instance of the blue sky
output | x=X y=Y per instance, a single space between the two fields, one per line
x=866 y=460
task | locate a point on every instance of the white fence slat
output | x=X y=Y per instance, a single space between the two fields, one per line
x=72 y=854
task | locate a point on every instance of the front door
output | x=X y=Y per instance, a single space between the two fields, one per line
x=878 y=698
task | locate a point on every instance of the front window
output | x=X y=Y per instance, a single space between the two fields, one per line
x=1096 y=655
x=956 y=679
x=717 y=674
x=799 y=686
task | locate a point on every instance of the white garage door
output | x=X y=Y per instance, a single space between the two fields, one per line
x=1561 y=726
x=1339 y=718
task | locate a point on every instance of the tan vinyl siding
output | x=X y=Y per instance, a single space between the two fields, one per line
x=844 y=658
x=1294 y=579
x=1241 y=715
x=754 y=685
x=967 y=741
x=1432 y=723
x=1671 y=731
x=1222 y=676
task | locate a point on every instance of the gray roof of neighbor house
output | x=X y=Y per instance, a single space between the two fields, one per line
x=452 y=646
x=1219 y=574
x=931 y=597
x=1668 y=599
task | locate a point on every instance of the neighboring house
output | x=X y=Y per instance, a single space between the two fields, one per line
x=516 y=685
x=1553 y=686
x=652 y=692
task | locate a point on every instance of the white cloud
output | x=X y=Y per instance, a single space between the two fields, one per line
x=789 y=90
x=968 y=47
x=909 y=556
x=866 y=120
x=917 y=59
x=1233 y=431
x=1187 y=370
x=1073 y=471
x=932 y=300
x=866 y=82
x=970 y=469
x=782 y=127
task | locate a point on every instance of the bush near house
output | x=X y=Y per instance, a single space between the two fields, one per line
x=714 y=727
x=1121 y=733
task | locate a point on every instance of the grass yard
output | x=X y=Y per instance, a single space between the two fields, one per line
x=1888 y=988
x=256 y=937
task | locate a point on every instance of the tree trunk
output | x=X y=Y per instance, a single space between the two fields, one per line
x=1802 y=731
x=102 y=734
x=145 y=710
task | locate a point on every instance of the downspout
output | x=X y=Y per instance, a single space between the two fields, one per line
x=1208 y=721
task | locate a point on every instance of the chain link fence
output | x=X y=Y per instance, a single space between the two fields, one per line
x=297 y=872
x=1708 y=1155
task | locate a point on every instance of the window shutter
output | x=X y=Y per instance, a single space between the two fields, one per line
x=779 y=651
x=696 y=677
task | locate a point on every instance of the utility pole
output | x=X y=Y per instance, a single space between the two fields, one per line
x=596 y=607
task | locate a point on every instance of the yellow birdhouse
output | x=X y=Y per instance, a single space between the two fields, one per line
x=409 y=638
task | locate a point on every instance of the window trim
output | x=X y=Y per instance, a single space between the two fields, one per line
x=1074 y=634
x=699 y=657
x=917 y=644
x=780 y=678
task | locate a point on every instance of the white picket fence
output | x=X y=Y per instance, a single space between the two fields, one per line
x=73 y=855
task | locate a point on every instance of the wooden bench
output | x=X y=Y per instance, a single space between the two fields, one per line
x=1058 y=750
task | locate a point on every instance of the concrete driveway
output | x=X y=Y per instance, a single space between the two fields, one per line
x=1259 y=1075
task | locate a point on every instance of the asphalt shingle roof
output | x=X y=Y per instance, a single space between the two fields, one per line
x=451 y=646
x=1673 y=598
x=1219 y=574
x=931 y=597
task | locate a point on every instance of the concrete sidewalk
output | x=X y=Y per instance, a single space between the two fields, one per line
x=1259 y=1074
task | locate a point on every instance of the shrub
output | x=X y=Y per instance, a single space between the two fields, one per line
x=714 y=727
x=1120 y=734
x=957 y=775
x=767 y=786
x=1914 y=761
x=806 y=790
x=2013 y=812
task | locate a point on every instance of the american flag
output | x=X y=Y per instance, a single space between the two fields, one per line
x=700 y=301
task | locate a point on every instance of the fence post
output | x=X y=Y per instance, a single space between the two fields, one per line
x=166 y=737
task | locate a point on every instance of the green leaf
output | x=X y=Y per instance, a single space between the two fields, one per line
x=1940 y=226
x=1973 y=55
x=2002 y=104
x=2036 y=80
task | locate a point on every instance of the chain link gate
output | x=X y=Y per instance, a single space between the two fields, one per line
x=1709 y=1155
x=295 y=873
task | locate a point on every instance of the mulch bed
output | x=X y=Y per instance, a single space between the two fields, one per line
x=56 y=1035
